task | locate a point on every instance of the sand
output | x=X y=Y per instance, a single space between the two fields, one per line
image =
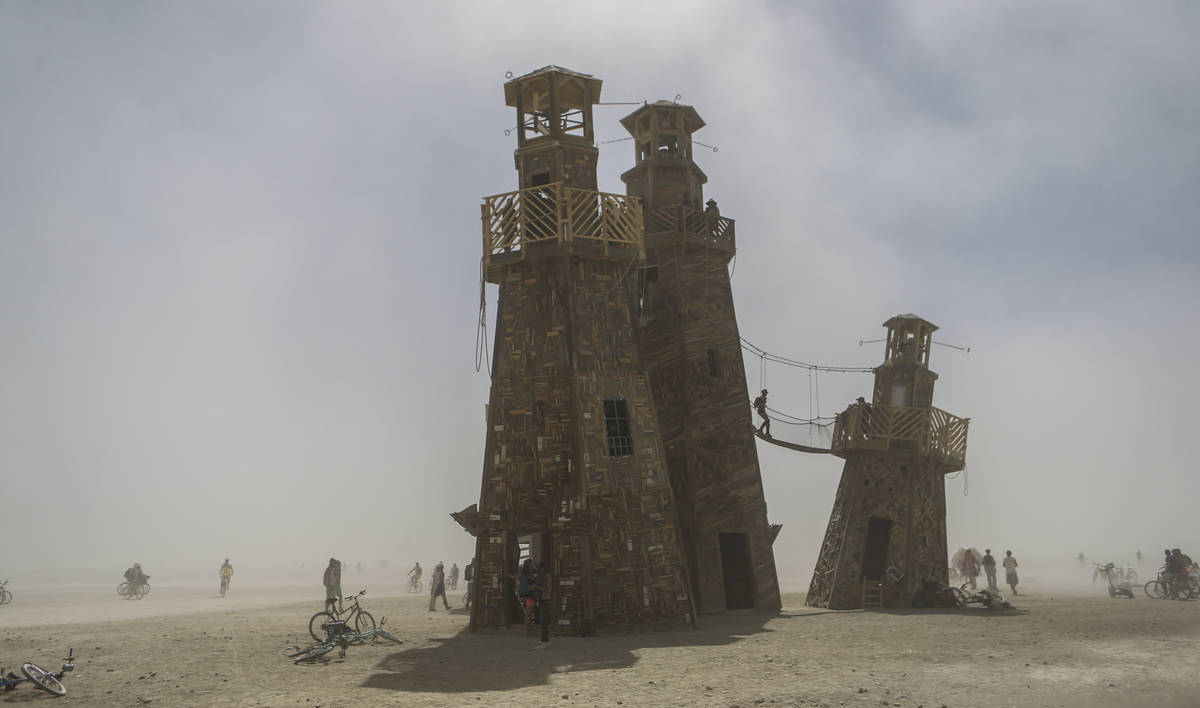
x=184 y=646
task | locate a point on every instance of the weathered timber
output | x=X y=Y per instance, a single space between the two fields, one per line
x=890 y=508
x=574 y=463
x=691 y=348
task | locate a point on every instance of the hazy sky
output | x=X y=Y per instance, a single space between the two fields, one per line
x=239 y=248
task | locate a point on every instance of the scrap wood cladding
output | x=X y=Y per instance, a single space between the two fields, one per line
x=619 y=446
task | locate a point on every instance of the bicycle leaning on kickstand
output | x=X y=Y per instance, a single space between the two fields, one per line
x=362 y=620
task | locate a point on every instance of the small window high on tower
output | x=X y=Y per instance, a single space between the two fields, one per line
x=617 y=429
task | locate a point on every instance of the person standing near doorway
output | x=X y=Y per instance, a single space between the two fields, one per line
x=542 y=594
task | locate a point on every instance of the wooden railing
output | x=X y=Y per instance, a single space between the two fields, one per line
x=715 y=230
x=554 y=212
x=932 y=431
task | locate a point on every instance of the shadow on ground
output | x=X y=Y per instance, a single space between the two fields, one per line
x=504 y=660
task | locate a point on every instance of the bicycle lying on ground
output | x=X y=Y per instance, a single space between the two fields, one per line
x=338 y=635
x=5 y=595
x=134 y=591
x=988 y=598
x=40 y=677
x=318 y=626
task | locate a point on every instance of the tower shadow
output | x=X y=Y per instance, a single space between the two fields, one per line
x=503 y=660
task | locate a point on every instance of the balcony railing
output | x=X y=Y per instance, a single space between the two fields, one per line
x=931 y=431
x=713 y=230
x=555 y=213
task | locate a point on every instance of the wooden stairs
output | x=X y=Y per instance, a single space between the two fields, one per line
x=872 y=598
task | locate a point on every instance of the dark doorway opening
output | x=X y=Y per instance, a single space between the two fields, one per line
x=533 y=546
x=737 y=571
x=879 y=535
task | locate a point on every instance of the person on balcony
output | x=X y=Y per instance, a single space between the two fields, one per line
x=760 y=407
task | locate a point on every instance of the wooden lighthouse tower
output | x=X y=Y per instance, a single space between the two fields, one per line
x=887 y=532
x=574 y=472
x=692 y=350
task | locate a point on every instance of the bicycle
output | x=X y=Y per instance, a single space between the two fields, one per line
x=5 y=595
x=1186 y=588
x=43 y=679
x=337 y=636
x=363 y=621
x=134 y=591
x=415 y=584
x=224 y=585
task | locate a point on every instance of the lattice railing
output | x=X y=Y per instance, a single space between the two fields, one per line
x=717 y=230
x=926 y=430
x=553 y=212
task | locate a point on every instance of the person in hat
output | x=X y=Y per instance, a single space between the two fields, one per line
x=760 y=407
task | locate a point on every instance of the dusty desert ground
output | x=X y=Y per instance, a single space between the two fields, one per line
x=184 y=646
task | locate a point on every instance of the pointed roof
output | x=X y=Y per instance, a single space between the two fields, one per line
x=910 y=316
x=512 y=86
x=695 y=122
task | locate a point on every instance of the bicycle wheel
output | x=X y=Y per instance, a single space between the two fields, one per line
x=364 y=622
x=316 y=625
x=145 y=588
x=43 y=678
x=5 y=597
x=1154 y=590
x=123 y=590
x=313 y=652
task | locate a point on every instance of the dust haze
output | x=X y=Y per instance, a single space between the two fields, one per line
x=239 y=256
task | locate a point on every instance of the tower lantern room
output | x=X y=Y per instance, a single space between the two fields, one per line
x=908 y=340
x=555 y=131
x=664 y=173
x=904 y=378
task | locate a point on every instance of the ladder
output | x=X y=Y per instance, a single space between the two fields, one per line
x=872 y=594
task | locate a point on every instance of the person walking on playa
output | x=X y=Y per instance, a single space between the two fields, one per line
x=437 y=587
x=989 y=569
x=454 y=576
x=1010 y=571
x=333 y=585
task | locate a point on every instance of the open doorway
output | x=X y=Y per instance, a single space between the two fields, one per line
x=533 y=546
x=875 y=555
x=737 y=571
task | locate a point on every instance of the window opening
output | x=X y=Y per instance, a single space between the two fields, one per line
x=617 y=430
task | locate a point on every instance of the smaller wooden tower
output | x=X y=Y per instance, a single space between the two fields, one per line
x=887 y=532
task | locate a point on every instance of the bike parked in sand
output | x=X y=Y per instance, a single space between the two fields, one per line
x=319 y=625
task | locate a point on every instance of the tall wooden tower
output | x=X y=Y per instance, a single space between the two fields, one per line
x=574 y=472
x=692 y=350
x=887 y=532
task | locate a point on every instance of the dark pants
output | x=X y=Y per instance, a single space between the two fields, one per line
x=543 y=610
